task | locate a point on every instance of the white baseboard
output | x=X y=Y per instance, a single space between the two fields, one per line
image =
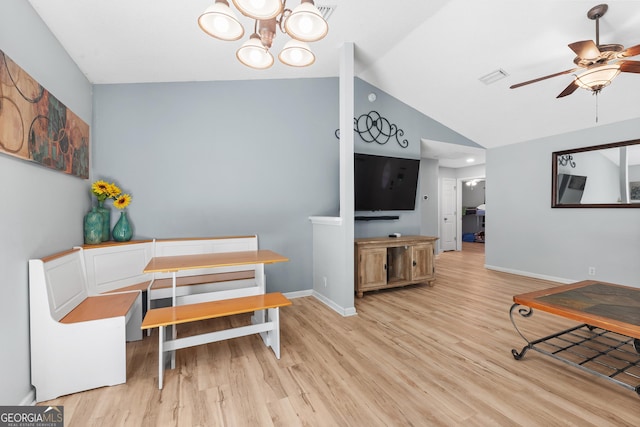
x=29 y=399
x=345 y=312
x=299 y=294
x=529 y=274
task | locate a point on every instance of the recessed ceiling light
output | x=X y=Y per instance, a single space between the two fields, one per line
x=471 y=160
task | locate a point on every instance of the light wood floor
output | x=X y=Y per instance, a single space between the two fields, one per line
x=415 y=356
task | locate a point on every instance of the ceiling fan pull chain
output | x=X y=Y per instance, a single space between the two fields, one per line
x=596 y=93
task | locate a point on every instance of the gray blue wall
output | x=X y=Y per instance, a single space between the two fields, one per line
x=415 y=126
x=42 y=209
x=225 y=158
x=527 y=236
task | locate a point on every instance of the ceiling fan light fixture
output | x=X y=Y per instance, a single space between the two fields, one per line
x=305 y=23
x=597 y=78
x=259 y=9
x=253 y=54
x=219 y=21
x=296 y=54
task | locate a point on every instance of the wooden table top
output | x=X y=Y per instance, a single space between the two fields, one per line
x=615 y=308
x=167 y=264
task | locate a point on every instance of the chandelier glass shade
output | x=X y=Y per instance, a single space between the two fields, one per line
x=597 y=78
x=296 y=54
x=306 y=23
x=254 y=54
x=259 y=9
x=220 y=22
x=303 y=24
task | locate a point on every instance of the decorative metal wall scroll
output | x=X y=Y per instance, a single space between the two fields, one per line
x=566 y=159
x=372 y=127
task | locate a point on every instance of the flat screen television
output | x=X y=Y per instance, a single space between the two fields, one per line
x=570 y=188
x=385 y=183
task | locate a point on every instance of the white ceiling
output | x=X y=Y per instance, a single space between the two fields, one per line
x=428 y=54
x=452 y=155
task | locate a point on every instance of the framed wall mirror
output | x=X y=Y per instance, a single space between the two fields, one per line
x=601 y=176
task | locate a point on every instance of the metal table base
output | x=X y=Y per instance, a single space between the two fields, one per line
x=603 y=353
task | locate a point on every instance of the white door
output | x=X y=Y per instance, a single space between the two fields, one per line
x=448 y=215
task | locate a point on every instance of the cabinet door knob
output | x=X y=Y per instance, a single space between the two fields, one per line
x=414 y=263
x=385 y=266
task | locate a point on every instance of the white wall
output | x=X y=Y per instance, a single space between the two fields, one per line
x=42 y=209
x=528 y=237
x=428 y=198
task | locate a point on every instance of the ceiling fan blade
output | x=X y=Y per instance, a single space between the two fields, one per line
x=543 y=78
x=629 y=66
x=631 y=51
x=569 y=89
x=585 y=49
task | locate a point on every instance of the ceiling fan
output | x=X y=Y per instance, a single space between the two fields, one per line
x=597 y=63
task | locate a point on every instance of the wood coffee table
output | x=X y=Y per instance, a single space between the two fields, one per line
x=607 y=343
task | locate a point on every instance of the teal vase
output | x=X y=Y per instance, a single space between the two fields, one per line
x=122 y=230
x=93 y=227
x=106 y=220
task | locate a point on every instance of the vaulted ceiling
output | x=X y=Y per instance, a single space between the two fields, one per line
x=428 y=54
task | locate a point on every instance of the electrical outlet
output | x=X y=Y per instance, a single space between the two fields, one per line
x=324 y=280
x=592 y=271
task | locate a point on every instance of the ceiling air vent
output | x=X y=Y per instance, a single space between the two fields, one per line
x=493 y=76
x=326 y=11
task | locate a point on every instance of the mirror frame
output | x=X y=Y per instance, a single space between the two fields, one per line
x=554 y=176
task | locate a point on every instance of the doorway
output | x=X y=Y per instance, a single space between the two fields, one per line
x=448 y=218
x=472 y=210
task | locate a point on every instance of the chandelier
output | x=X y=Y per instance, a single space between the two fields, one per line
x=303 y=24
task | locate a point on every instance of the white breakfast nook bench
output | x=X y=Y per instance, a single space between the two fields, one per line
x=85 y=303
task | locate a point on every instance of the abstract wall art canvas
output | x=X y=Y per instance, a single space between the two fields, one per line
x=36 y=126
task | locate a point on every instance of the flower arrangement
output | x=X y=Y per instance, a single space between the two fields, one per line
x=122 y=201
x=99 y=231
x=103 y=190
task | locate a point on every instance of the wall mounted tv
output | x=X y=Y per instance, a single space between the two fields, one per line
x=385 y=183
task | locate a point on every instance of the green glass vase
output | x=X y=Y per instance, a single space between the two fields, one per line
x=122 y=231
x=106 y=220
x=93 y=227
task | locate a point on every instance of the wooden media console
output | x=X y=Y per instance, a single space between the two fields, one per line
x=389 y=262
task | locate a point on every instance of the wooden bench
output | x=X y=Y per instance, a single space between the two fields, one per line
x=78 y=341
x=172 y=316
